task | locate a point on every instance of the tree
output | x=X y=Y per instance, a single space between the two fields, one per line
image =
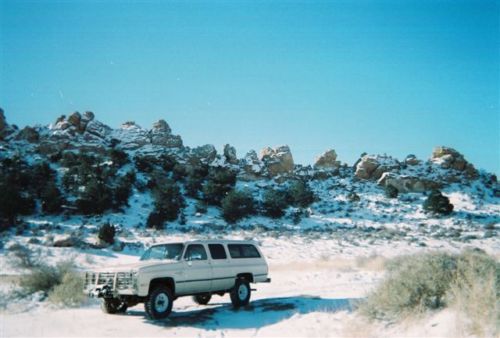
x=437 y=203
x=237 y=205
x=274 y=203
x=300 y=194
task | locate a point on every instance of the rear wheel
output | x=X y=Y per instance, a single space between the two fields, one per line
x=202 y=299
x=159 y=303
x=113 y=305
x=240 y=294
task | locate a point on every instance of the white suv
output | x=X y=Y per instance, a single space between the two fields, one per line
x=171 y=270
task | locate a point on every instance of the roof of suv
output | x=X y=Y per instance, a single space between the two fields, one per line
x=213 y=241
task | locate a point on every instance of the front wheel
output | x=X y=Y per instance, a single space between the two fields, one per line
x=240 y=294
x=159 y=303
x=113 y=305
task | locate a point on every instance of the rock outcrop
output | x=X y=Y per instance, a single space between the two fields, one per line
x=277 y=160
x=28 y=134
x=230 y=154
x=5 y=128
x=3 y=122
x=251 y=164
x=449 y=158
x=161 y=135
x=205 y=154
x=405 y=183
x=328 y=161
x=371 y=167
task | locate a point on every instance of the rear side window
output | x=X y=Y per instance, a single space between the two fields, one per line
x=243 y=251
x=217 y=251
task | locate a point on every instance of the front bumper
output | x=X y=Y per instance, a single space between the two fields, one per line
x=110 y=284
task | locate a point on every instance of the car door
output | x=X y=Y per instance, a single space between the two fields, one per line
x=222 y=276
x=197 y=271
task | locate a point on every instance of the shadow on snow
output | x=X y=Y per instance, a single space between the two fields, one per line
x=257 y=314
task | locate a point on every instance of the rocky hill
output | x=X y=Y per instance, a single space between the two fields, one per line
x=80 y=171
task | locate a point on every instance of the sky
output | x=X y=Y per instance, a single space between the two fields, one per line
x=394 y=77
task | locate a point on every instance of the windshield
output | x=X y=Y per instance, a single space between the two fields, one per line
x=163 y=251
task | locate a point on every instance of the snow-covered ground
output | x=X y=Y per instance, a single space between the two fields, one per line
x=316 y=281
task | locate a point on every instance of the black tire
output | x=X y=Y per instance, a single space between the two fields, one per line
x=240 y=293
x=159 y=303
x=112 y=306
x=202 y=299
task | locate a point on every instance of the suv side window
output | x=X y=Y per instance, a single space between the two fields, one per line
x=195 y=252
x=243 y=251
x=217 y=251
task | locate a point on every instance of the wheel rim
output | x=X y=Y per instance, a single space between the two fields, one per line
x=161 y=302
x=242 y=292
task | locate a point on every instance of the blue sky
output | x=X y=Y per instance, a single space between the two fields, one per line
x=393 y=77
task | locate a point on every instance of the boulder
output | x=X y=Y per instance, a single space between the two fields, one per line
x=132 y=136
x=98 y=129
x=277 y=160
x=230 y=154
x=371 y=167
x=205 y=154
x=161 y=126
x=251 y=164
x=75 y=119
x=366 y=167
x=328 y=160
x=3 y=122
x=28 y=134
x=5 y=129
x=406 y=184
x=161 y=135
x=412 y=160
x=88 y=116
x=449 y=158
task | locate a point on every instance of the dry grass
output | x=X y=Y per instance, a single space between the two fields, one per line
x=475 y=293
x=469 y=282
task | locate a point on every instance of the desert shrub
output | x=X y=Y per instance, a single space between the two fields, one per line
x=437 y=203
x=107 y=233
x=122 y=191
x=274 y=203
x=470 y=281
x=143 y=164
x=51 y=199
x=68 y=291
x=13 y=201
x=156 y=220
x=219 y=182
x=300 y=194
x=353 y=197
x=193 y=186
x=414 y=283
x=61 y=283
x=96 y=198
x=475 y=293
x=16 y=190
x=237 y=205
x=201 y=207
x=22 y=256
x=391 y=192
x=118 y=157
x=167 y=162
x=168 y=204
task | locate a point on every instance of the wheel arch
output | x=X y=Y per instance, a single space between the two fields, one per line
x=164 y=281
x=248 y=276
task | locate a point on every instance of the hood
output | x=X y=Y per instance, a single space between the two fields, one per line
x=136 y=266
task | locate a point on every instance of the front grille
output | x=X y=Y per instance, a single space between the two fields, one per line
x=124 y=280
x=105 y=277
